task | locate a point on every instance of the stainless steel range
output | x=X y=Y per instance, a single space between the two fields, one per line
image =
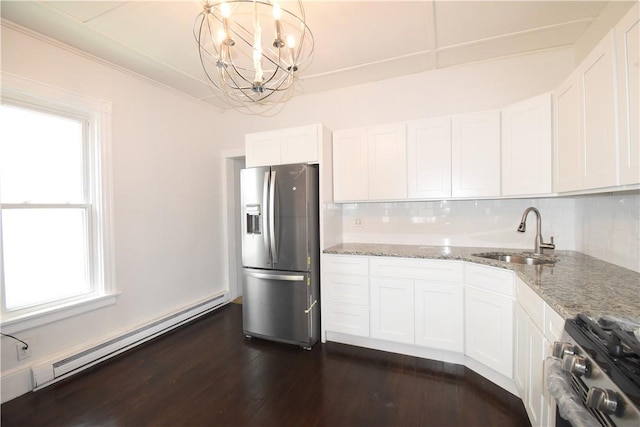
x=595 y=376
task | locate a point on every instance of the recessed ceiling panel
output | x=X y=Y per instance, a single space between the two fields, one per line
x=464 y=21
x=160 y=30
x=86 y=10
x=352 y=33
x=510 y=45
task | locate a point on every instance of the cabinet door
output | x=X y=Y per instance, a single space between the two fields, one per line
x=566 y=138
x=628 y=59
x=392 y=311
x=387 y=162
x=535 y=397
x=262 y=149
x=475 y=154
x=596 y=80
x=489 y=329
x=526 y=147
x=346 y=288
x=347 y=319
x=300 y=145
x=429 y=158
x=350 y=165
x=521 y=352
x=439 y=313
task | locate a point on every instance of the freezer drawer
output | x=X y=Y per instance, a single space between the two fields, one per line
x=280 y=306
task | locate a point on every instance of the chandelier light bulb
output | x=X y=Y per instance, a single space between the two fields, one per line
x=277 y=12
x=291 y=41
x=225 y=10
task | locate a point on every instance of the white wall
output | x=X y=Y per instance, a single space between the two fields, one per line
x=167 y=189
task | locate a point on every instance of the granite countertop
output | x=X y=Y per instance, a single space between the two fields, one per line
x=575 y=283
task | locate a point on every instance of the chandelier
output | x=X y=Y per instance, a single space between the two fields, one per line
x=250 y=50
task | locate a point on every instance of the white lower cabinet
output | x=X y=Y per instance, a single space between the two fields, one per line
x=489 y=329
x=537 y=326
x=530 y=352
x=418 y=301
x=520 y=349
x=392 y=311
x=439 y=314
x=489 y=317
x=345 y=294
x=347 y=319
x=534 y=401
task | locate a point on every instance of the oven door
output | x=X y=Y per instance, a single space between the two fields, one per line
x=569 y=393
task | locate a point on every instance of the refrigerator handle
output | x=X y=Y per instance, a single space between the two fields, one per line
x=272 y=217
x=283 y=277
x=265 y=213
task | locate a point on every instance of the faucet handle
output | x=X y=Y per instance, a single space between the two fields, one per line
x=550 y=245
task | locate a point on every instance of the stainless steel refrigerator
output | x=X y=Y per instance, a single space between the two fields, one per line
x=280 y=253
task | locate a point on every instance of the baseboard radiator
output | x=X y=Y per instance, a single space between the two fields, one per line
x=47 y=373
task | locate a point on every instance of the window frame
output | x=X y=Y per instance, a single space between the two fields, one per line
x=96 y=117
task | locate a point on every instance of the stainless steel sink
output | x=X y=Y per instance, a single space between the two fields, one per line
x=515 y=258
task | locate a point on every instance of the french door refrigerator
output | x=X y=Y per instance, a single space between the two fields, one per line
x=280 y=253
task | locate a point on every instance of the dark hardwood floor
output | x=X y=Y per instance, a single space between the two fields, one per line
x=208 y=374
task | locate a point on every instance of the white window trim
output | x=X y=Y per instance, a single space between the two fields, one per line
x=28 y=92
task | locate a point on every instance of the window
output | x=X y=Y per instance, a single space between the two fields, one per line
x=54 y=203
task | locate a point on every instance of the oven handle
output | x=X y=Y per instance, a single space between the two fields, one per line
x=569 y=405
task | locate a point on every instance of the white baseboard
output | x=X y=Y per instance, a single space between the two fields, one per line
x=46 y=372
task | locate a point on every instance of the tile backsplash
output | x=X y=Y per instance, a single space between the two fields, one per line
x=604 y=226
x=608 y=227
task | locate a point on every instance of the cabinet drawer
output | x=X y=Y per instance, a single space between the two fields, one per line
x=554 y=324
x=489 y=278
x=345 y=264
x=346 y=288
x=531 y=302
x=420 y=269
x=347 y=319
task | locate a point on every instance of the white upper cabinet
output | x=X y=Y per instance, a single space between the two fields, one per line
x=597 y=95
x=566 y=138
x=429 y=158
x=285 y=146
x=350 y=165
x=476 y=155
x=370 y=163
x=299 y=145
x=526 y=147
x=262 y=149
x=387 y=162
x=628 y=60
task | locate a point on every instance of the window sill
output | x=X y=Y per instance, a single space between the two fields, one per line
x=11 y=325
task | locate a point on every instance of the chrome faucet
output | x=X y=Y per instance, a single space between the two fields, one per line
x=539 y=243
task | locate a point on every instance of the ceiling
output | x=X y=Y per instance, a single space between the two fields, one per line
x=355 y=41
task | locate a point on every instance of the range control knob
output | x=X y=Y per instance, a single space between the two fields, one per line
x=560 y=349
x=606 y=401
x=576 y=365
